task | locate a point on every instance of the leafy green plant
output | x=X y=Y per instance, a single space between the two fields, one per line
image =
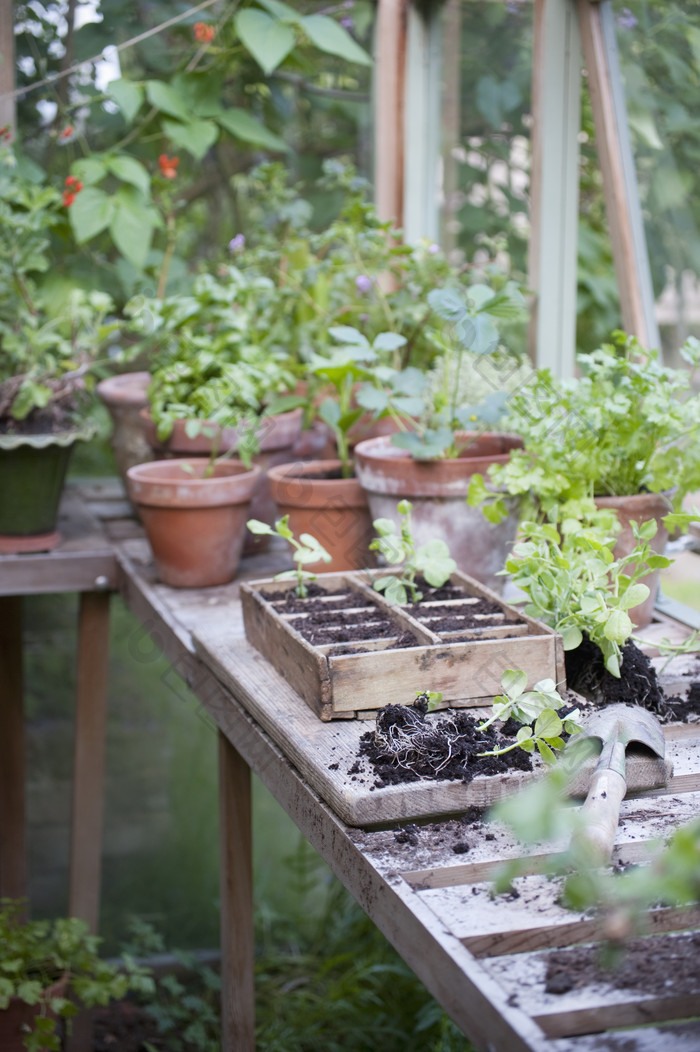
x=432 y=560
x=628 y=425
x=574 y=583
x=50 y=349
x=536 y=710
x=306 y=550
x=37 y=954
x=430 y=413
x=348 y=364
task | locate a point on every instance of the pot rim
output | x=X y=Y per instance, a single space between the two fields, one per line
x=151 y=484
x=382 y=448
x=84 y=433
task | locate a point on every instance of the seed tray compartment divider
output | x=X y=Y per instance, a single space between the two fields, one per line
x=349 y=685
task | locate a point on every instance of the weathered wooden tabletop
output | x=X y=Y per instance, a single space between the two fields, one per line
x=483 y=958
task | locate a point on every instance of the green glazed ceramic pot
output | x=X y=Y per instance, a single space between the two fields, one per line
x=32 y=475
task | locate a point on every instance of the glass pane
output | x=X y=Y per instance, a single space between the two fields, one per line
x=659 y=47
x=487 y=48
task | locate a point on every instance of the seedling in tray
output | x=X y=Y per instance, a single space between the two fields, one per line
x=432 y=560
x=306 y=550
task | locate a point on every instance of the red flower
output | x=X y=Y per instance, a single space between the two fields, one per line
x=67 y=131
x=168 y=165
x=6 y=132
x=73 y=187
x=203 y=32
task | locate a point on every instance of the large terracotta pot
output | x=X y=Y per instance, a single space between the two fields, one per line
x=276 y=438
x=125 y=396
x=438 y=491
x=333 y=510
x=195 y=525
x=32 y=475
x=640 y=508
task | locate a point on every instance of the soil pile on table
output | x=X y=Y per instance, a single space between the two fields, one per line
x=408 y=746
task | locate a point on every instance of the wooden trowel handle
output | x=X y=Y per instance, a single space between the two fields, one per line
x=601 y=813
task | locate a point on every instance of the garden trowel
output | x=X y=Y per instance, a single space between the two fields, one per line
x=632 y=757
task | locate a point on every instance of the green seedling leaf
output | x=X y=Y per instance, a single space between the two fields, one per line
x=618 y=627
x=256 y=526
x=268 y=40
x=514 y=682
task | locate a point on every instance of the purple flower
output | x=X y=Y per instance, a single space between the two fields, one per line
x=433 y=249
x=237 y=243
x=626 y=20
x=363 y=283
x=347 y=22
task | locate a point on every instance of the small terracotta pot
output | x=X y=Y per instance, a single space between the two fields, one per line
x=276 y=437
x=639 y=508
x=195 y=525
x=333 y=510
x=125 y=396
x=438 y=491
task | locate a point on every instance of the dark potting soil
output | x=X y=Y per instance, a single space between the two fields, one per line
x=637 y=685
x=483 y=607
x=408 y=746
x=335 y=473
x=354 y=628
x=406 y=639
x=286 y=601
x=648 y=964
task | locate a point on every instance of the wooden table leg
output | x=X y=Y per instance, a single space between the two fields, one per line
x=13 y=853
x=88 y=767
x=237 y=941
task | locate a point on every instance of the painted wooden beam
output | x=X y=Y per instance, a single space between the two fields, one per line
x=617 y=166
x=390 y=57
x=554 y=182
x=422 y=127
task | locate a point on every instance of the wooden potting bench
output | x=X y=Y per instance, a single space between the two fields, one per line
x=483 y=959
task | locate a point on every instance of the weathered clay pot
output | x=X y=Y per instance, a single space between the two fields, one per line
x=333 y=510
x=125 y=396
x=276 y=438
x=195 y=525
x=640 y=508
x=438 y=490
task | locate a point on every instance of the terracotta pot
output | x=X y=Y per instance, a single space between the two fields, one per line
x=18 y=1018
x=640 y=508
x=438 y=490
x=276 y=438
x=334 y=511
x=275 y=433
x=195 y=525
x=125 y=396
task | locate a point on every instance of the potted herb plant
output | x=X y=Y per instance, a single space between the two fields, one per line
x=194 y=512
x=214 y=378
x=324 y=498
x=624 y=434
x=49 y=969
x=574 y=582
x=436 y=449
x=48 y=352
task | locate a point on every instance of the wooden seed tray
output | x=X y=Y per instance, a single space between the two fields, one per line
x=466 y=666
